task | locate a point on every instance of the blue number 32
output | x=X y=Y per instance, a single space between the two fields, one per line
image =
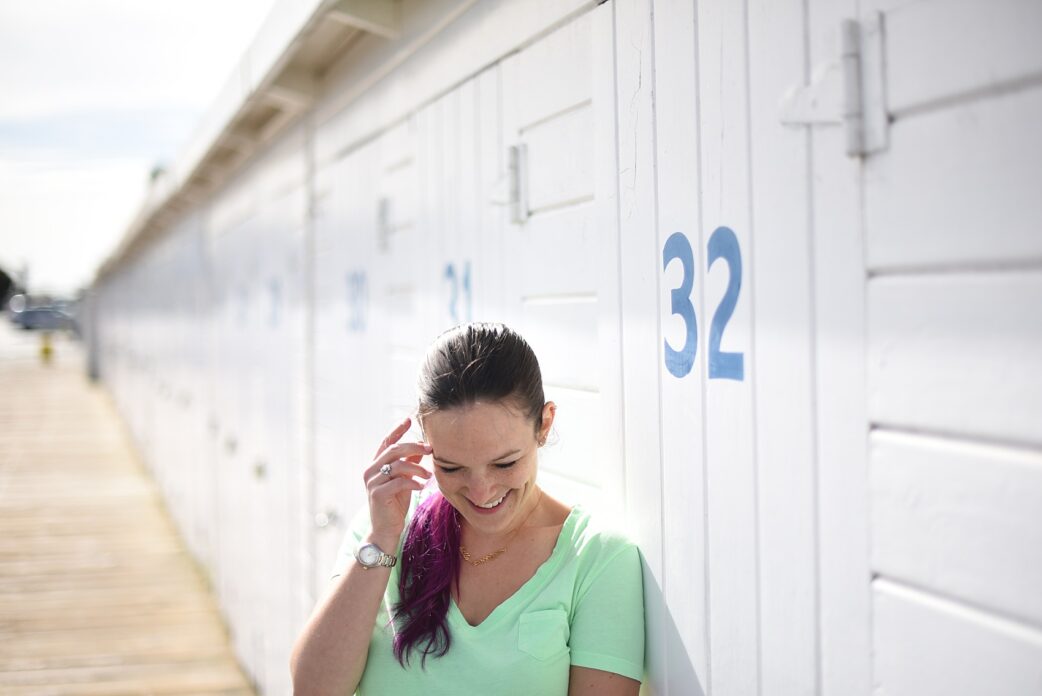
x=723 y=244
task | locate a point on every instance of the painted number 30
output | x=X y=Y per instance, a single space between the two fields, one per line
x=723 y=244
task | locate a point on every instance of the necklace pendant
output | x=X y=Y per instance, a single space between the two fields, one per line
x=484 y=559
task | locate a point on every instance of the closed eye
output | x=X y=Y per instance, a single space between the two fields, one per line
x=454 y=469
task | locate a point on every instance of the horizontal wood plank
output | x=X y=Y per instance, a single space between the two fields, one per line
x=925 y=646
x=962 y=519
x=973 y=45
x=959 y=187
x=957 y=353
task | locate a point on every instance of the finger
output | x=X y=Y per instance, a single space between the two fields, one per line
x=394 y=436
x=399 y=469
x=402 y=450
x=409 y=461
x=385 y=493
x=415 y=459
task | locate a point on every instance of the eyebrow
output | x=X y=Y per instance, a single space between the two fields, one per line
x=496 y=459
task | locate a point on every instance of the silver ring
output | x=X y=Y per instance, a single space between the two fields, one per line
x=385 y=469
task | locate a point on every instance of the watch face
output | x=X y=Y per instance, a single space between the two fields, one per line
x=369 y=555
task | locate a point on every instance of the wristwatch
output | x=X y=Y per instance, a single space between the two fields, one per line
x=371 y=556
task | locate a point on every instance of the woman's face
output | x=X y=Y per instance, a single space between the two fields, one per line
x=485 y=457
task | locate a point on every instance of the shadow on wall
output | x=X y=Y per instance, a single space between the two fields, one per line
x=670 y=661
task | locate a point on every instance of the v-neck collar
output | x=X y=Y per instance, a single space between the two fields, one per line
x=538 y=579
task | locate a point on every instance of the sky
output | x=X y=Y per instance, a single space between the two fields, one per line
x=93 y=95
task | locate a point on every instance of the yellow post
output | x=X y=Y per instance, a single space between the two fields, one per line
x=46 y=349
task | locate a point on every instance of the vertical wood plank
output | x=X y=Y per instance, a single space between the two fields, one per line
x=730 y=426
x=781 y=275
x=682 y=415
x=840 y=394
x=490 y=262
x=610 y=440
x=641 y=346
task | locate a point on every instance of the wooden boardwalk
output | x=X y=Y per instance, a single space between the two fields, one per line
x=98 y=595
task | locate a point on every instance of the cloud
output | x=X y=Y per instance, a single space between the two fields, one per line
x=77 y=55
x=156 y=133
x=63 y=220
x=94 y=92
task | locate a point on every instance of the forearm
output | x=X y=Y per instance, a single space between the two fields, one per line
x=330 y=654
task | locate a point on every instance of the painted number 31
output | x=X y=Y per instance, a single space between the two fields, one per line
x=723 y=244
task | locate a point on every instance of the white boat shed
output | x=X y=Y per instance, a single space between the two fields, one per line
x=781 y=261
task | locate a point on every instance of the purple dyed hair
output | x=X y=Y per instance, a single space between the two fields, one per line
x=470 y=362
x=430 y=565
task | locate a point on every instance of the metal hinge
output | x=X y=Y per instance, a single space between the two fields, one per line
x=847 y=91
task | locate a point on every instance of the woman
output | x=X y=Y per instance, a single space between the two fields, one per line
x=487 y=585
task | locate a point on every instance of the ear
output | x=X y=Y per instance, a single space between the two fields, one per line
x=549 y=411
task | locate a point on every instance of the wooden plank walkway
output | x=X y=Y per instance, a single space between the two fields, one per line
x=98 y=594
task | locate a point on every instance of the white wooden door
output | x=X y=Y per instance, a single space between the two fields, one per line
x=748 y=511
x=952 y=214
x=560 y=248
x=345 y=239
x=279 y=242
x=405 y=274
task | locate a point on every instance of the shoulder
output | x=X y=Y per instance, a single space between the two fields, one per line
x=605 y=566
x=596 y=542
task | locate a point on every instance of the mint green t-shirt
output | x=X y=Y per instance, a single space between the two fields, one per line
x=584 y=606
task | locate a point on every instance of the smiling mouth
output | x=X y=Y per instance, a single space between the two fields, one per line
x=492 y=504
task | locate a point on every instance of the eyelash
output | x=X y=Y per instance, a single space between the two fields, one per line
x=452 y=470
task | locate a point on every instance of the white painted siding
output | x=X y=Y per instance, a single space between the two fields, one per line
x=929 y=646
x=960 y=518
x=808 y=383
x=951 y=222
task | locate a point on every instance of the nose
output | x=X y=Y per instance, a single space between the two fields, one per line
x=480 y=488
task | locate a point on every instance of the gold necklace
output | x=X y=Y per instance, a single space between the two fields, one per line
x=484 y=559
x=496 y=554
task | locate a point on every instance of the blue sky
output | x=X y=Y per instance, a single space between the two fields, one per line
x=93 y=94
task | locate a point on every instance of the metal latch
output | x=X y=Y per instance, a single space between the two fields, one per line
x=383 y=223
x=518 y=195
x=847 y=91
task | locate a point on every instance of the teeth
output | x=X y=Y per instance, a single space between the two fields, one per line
x=494 y=503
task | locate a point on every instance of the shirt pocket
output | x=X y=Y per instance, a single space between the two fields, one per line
x=543 y=634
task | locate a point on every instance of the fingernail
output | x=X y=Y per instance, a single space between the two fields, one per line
x=428 y=447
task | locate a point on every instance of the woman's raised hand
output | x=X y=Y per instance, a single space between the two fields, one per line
x=390 y=493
